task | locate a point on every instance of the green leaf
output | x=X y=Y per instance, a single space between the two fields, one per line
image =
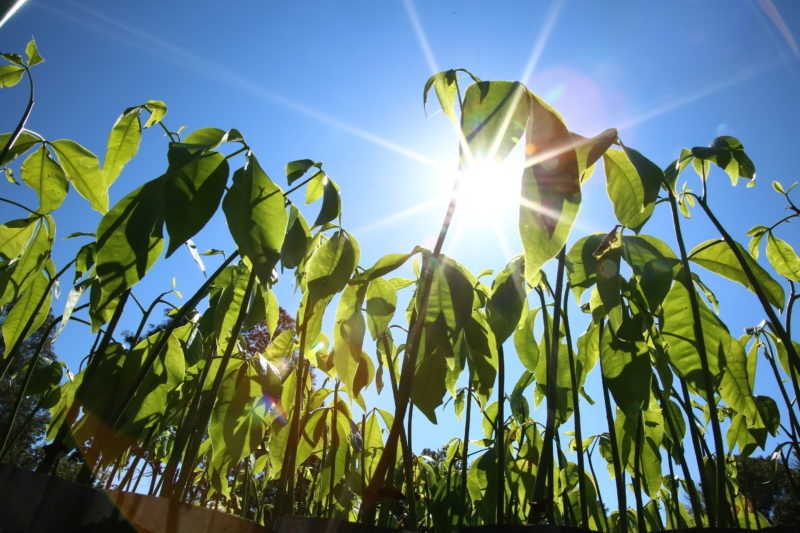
x=331 y=203
x=114 y=376
x=15 y=236
x=493 y=119
x=591 y=149
x=238 y=420
x=717 y=256
x=123 y=143
x=27 y=307
x=429 y=385
x=348 y=336
x=632 y=183
x=33 y=54
x=10 y=75
x=24 y=142
x=257 y=218
x=451 y=296
x=653 y=263
x=296 y=169
x=205 y=139
x=582 y=265
x=625 y=362
x=41 y=173
x=482 y=356
x=385 y=265
x=524 y=341
x=728 y=154
x=381 y=304
x=298 y=239
x=229 y=305
x=129 y=241
x=35 y=258
x=783 y=258
x=446 y=85
x=507 y=300
x=678 y=333
x=13 y=58
x=331 y=266
x=651 y=432
x=193 y=187
x=83 y=170
x=158 y=110
x=551 y=192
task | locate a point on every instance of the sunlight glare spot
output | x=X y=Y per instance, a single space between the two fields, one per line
x=544 y=35
x=422 y=39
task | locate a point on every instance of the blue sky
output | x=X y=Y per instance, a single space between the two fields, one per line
x=341 y=82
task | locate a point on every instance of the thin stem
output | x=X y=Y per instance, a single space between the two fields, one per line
x=546 y=463
x=774 y=321
x=429 y=265
x=500 y=432
x=21 y=124
x=720 y=507
x=577 y=411
x=619 y=480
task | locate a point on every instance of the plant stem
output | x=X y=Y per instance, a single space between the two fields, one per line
x=546 y=463
x=429 y=266
x=21 y=124
x=619 y=480
x=206 y=407
x=464 y=455
x=721 y=507
x=774 y=321
x=577 y=412
x=500 y=432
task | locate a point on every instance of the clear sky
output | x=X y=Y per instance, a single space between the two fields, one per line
x=341 y=82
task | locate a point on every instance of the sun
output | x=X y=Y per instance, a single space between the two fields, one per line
x=488 y=195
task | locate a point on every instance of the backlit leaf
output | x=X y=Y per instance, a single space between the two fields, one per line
x=783 y=258
x=632 y=183
x=83 y=170
x=296 y=169
x=10 y=75
x=493 y=119
x=381 y=303
x=33 y=54
x=15 y=235
x=298 y=238
x=24 y=142
x=238 y=420
x=717 y=256
x=331 y=266
x=129 y=241
x=507 y=300
x=551 y=192
x=158 y=110
x=193 y=187
x=348 y=335
x=41 y=173
x=123 y=143
x=331 y=203
x=445 y=84
x=257 y=218
x=729 y=155
x=33 y=303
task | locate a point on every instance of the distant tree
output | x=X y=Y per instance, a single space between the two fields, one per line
x=257 y=338
x=772 y=487
x=30 y=424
